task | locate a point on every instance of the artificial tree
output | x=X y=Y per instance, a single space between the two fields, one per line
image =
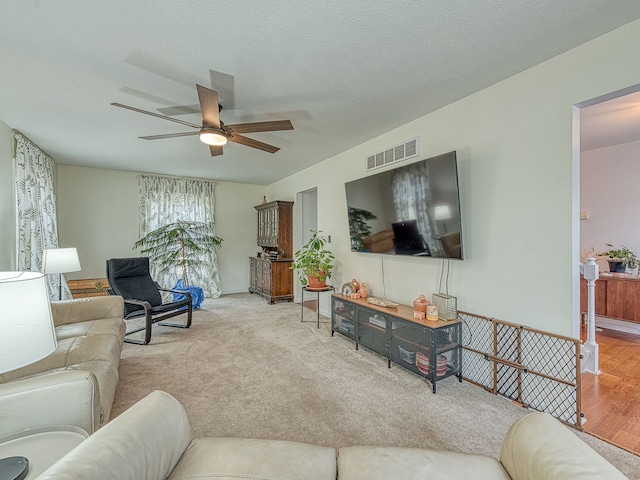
x=179 y=245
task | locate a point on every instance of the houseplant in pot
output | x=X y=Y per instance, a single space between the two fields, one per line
x=620 y=258
x=180 y=246
x=313 y=262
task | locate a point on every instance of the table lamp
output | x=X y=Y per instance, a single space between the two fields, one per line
x=60 y=260
x=27 y=335
x=442 y=213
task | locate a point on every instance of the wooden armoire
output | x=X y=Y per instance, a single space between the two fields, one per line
x=270 y=275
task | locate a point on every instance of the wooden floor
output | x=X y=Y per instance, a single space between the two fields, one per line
x=611 y=400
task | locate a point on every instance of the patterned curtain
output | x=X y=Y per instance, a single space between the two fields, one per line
x=411 y=197
x=37 y=227
x=166 y=200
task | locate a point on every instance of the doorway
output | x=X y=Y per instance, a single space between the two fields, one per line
x=306 y=218
x=606 y=145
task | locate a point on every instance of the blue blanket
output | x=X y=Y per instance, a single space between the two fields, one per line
x=197 y=294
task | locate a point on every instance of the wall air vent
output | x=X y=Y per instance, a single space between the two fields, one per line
x=404 y=151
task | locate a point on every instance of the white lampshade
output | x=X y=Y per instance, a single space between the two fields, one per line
x=27 y=333
x=212 y=136
x=442 y=212
x=60 y=260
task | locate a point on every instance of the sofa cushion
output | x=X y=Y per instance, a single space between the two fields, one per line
x=83 y=309
x=384 y=463
x=76 y=342
x=58 y=359
x=539 y=447
x=94 y=347
x=111 y=326
x=256 y=460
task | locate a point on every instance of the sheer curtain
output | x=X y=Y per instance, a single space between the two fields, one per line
x=411 y=195
x=37 y=227
x=165 y=200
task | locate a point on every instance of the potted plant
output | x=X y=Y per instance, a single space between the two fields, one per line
x=620 y=258
x=313 y=262
x=179 y=245
x=358 y=227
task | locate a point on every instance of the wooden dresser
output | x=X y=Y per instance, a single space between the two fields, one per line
x=616 y=297
x=271 y=277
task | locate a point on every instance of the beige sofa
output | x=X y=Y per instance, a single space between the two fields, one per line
x=74 y=385
x=152 y=440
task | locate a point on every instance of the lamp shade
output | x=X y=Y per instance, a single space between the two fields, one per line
x=27 y=333
x=442 y=212
x=60 y=260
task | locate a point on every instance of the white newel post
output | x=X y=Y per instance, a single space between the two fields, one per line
x=590 y=272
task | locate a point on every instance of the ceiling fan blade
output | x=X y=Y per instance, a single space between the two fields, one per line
x=250 y=142
x=209 y=106
x=224 y=84
x=260 y=126
x=215 y=150
x=180 y=110
x=153 y=114
x=169 y=135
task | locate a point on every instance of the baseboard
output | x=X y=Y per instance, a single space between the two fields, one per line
x=618 y=325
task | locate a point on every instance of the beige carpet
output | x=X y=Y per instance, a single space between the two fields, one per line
x=248 y=369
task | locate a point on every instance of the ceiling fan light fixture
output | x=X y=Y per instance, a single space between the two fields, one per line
x=212 y=136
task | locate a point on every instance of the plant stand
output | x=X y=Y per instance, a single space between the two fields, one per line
x=328 y=288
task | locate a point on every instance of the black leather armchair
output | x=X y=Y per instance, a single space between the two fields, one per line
x=131 y=279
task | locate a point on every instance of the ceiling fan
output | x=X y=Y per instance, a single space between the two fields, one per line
x=213 y=131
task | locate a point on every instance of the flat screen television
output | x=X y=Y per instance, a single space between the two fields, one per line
x=411 y=210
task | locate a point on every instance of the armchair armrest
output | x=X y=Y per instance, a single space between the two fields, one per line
x=63 y=397
x=83 y=309
x=180 y=292
x=141 y=303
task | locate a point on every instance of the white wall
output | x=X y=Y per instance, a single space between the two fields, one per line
x=7 y=210
x=517 y=169
x=98 y=214
x=609 y=179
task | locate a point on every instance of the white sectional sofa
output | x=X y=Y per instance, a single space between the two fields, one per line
x=152 y=441
x=76 y=384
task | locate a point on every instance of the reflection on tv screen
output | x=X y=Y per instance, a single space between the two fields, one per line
x=410 y=210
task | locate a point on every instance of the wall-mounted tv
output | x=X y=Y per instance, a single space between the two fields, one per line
x=412 y=210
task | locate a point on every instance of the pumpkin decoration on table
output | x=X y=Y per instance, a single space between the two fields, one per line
x=420 y=304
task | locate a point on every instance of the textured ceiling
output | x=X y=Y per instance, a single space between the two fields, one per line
x=343 y=72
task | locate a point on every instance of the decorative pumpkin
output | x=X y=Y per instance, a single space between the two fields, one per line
x=420 y=304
